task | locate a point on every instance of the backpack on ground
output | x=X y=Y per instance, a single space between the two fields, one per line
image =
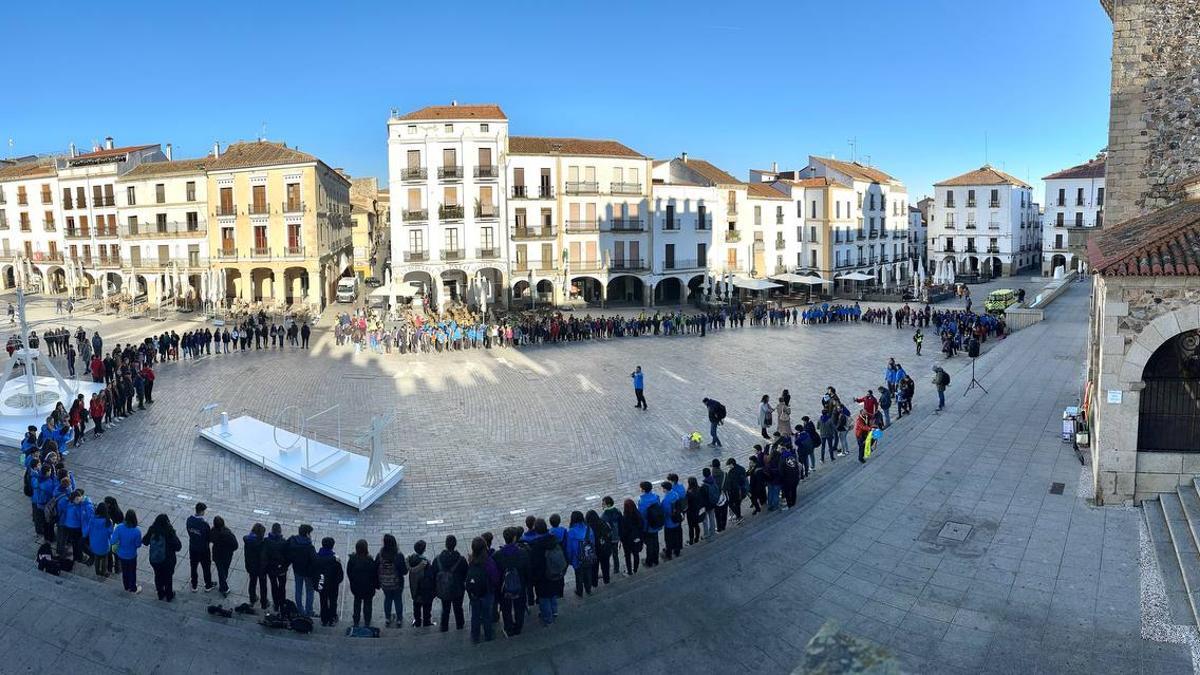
x=476 y=582
x=275 y=621
x=362 y=632
x=158 y=549
x=510 y=586
x=655 y=516
x=301 y=624
x=556 y=564
x=587 y=554
x=288 y=609
x=416 y=576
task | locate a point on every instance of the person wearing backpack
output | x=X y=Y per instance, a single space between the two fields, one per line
x=78 y=512
x=224 y=543
x=941 y=380
x=716 y=417
x=695 y=505
x=301 y=555
x=513 y=560
x=163 y=544
x=275 y=562
x=363 y=574
x=449 y=573
x=735 y=487
x=654 y=517
x=255 y=556
x=605 y=543
x=420 y=585
x=98 y=534
x=721 y=512
x=392 y=570
x=713 y=502
x=675 y=506
x=478 y=586
x=199 y=548
x=327 y=576
x=581 y=553
x=548 y=564
x=791 y=470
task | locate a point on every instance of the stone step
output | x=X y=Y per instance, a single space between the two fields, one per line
x=1168 y=564
x=1190 y=499
x=1185 y=549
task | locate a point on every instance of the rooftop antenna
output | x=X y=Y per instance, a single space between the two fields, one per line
x=853 y=142
x=985 y=148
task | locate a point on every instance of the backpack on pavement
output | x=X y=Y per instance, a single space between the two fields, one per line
x=362 y=632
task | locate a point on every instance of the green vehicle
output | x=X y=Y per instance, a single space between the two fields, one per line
x=999 y=300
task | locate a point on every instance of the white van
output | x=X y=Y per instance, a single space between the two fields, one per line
x=347 y=289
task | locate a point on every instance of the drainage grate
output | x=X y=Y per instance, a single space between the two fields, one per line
x=1057 y=488
x=954 y=531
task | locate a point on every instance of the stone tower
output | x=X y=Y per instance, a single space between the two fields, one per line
x=1154 y=115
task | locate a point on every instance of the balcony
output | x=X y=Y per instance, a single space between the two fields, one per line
x=416 y=256
x=949 y=204
x=260 y=252
x=453 y=254
x=293 y=252
x=778 y=220
x=50 y=226
x=226 y=210
x=77 y=233
x=970 y=225
x=626 y=225
x=626 y=188
x=520 y=192
x=994 y=205
x=703 y=224
x=971 y=249
x=488 y=212
x=582 y=187
x=487 y=172
x=108 y=262
x=258 y=210
x=995 y=225
x=526 y=233
x=970 y=203
x=164 y=230
x=414 y=173
x=587 y=265
x=628 y=265
x=97 y=202
x=487 y=253
x=993 y=249
x=44 y=256
x=450 y=213
x=450 y=173
x=3 y=225
x=293 y=207
x=681 y=265
x=780 y=244
x=949 y=248
x=418 y=215
x=582 y=226
x=733 y=235
x=524 y=266
x=227 y=253
x=731 y=209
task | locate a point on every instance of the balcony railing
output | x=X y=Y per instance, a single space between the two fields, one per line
x=293 y=207
x=587 y=265
x=414 y=216
x=544 y=232
x=676 y=265
x=109 y=261
x=971 y=249
x=223 y=210
x=576 y=226
x=487 y=253
x=993 y=225
x=970 y=225
x=487 y=171
x=733 y=235
x=416 y=256
x=165 y=263
x=526 y=266
x=77 y=233
x=628 y=265
x=450 y=172
x=627 y=225
x=98 y=202
x=703 y=224
x=489 y=211
x=227 y=253
x=626 y=188
x=258 y=210
x=994 y=204
x=520 y=192
x=582 y=187
x=450 y=213
x=731 y=209
x=293 y=251
x=949 y=248
x=970 y=203
x=46 y=256
x=414 y=173
x=780 y=244
x=453 y=254
x=993 y=249
x=260 y=252
x=171 y=229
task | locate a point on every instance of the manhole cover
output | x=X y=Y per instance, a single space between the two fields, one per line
x=1057 y=488
x=955 y=531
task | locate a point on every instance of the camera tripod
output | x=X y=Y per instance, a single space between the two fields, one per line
x=974 y=382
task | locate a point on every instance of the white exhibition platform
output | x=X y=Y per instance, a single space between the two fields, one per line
x=322 y=468
x=15 y=419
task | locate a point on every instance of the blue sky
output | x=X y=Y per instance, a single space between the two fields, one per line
x=918 y=83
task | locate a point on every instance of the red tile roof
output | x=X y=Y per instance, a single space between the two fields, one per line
x=857 y=171
x=815 y=182
x=763 y=191
x=178 y=166
x=984 y=175
x=23 y=170
x=542 y=145
x=257 y=153
x=472 y=111
x=710 y=172
x=1090 y=169
x=1163 y=243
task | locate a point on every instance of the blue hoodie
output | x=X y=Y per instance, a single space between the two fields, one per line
x=578 y=533
x=76 y=515
x=668 y=500
x=43 y=490
x=644 y=503
x=128 y=540
x=99 y=535
x=560 y=533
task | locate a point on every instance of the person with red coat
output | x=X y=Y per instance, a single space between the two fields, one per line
x=97 y=369
x=862 y=427
x=870 y=404
x=148 y=382
x=96 y=410
x=76 y=419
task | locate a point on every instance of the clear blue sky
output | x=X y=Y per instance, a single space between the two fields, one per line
x=918 y=83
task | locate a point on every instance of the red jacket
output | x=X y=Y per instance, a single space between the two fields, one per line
x=870 y=404
x=96 y=408
x=147 y=374
x=862 y=425
x=97 y=366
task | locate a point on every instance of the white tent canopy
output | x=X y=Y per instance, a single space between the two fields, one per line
x=856 y=276
x=404 y=288
x=754 y=284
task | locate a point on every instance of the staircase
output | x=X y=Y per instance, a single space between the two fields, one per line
x=1173 y=522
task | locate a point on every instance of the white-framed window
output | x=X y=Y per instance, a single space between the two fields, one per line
x=483 y=128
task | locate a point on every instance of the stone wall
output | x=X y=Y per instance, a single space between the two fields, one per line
x=1154 y=130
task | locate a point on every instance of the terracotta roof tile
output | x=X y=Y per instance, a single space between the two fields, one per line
x=24 y=170
x=710 y=172
x=815 y=182
x=763 y=191
x=472 y=111
x=1163 y=243
x=984 y=175
x=150 y=169
x=257 y=153
x=1091 y=169
x=857 y=171
x=541 y=145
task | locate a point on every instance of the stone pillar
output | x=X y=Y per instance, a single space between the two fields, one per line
x=648 y=294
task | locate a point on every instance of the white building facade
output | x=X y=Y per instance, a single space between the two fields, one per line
x=983 y=225
x=1074 y=208
x=31 y=242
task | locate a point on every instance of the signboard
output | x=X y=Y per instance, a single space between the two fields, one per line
x=1114 y=396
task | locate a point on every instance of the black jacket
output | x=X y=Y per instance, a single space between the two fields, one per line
x=422 y=588
x=363 y=575
x=514 y=556
x=328 y=569
x=224 y=543
x=300 y=555
x=198 y=536
x=173 y=543
x=255 y=552
x=631 y=531
x=275 y=557
x=453 y=562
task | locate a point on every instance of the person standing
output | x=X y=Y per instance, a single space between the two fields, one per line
x=674 y=503
x=631 y=531
x=735 y=487
x=420 y=585
x=163 y=544
x=513 y=560
x=305 y=331
x=254 y=552
x=612 y=518
x=639 y=380
x=363 y=573
x=327 y=574
x=391 y=570
x=479 y=587
x=548 y=564
x=301 y=555
x=885 y=403
x=716 y=417
x=224 y=543
x=765 y=418
x=449 y=573
x=941 y=380
x=275 y=561
x=127 y=538
x=199 y=542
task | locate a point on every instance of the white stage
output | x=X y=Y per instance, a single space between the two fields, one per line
x=330 y=471
x=16 y=416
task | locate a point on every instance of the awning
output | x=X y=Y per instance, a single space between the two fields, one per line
x=798 y=278
x=857 y=276
x=754 y=284
x=404 y=288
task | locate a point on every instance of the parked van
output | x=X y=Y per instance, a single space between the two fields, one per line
x=347 y=289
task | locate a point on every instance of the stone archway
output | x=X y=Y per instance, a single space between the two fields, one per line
x=668 y=291
x=625 y=289
x=1169 y=405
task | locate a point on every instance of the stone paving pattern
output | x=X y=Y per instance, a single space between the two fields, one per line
x=1040 y=582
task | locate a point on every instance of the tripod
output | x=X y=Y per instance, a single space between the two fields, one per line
x=974 y=382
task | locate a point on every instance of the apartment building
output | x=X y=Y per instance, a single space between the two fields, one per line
x=30 y=217
x=279 y=224
x=366 y=212
x=1074 y=209
x=162 y=229
x=918 y=235
x=448 y=186
x=984 y=224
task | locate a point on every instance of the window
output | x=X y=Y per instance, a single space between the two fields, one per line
x=292 y=190
x=860 y=200
x=258 y=199
x=452 y=239
x=66 y=198
x=702 y=254
x=949 y=199
x=778 y=215
x=1058 y=241
x=1062 y=197
x=193 y=221
x=1058 y=220
x=1079 y=197
x=487 y=209
x=160 y=222
x=970 y=198
x=449 y=157
x=414 y=199
x=132 y=224
x=547 y=220
x=872 y=201
x=45 y=193
x=757 y=215
x=1099 y=196
x=449 y=128
x=812 y=234
x=450 y=196
x=160 y=193
x=485 y=157
x=48 y=222
x=486 y=238
x=414 y=159
x=225 y=207
x=190 y=191
x=814 y=209
x=412 y=128
x=80 y=197
x=108 y=195
x=670 y=221
x=838 y=207
x=22 y=198
x=260 y=239
x=994 y=199
x=701 y=216
x=1079 y=219
x=483 y=128
x=416 y=241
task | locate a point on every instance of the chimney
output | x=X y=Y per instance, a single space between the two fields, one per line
x=216 y=149
x=168 y=153
x=774 y=167
x=683 y=156
x=71 y=149
x=454 y=103
x=108 y=143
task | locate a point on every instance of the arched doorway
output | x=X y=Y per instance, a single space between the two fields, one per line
x=545 y=291
x=262 y=284
x=668 y=291
x=494 y=286
x=626 y=289
x=1058 y=261
x=454 y=286
x=57 y=278
x=972 y=265
x=295 y=285
x=233 y=284
x=695 y=288
x=586 y=289
x=1169 y=412
x=995 y=267
x=10 y=277
x=521 y=291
